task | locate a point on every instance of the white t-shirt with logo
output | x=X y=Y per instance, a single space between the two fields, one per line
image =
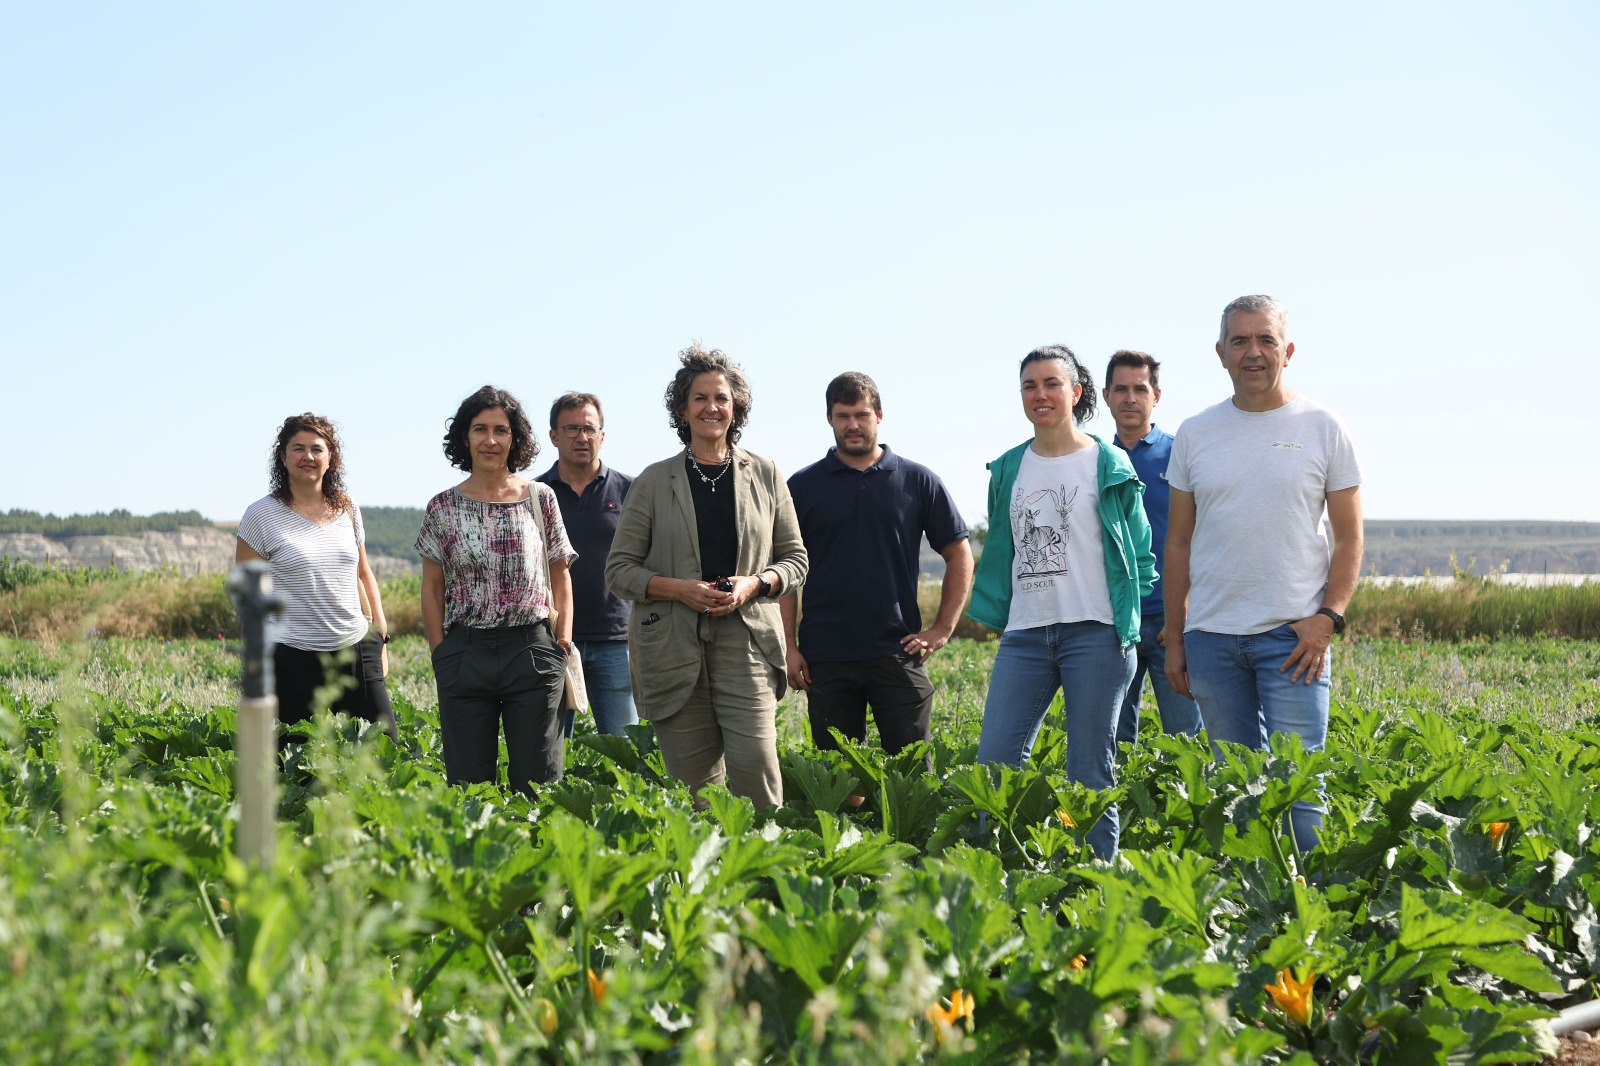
x=1059 y=569
x=1260 y=480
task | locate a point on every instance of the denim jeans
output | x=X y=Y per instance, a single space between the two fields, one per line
x=605 y=675
x=1245 y=697
x=1086 y=662
x=1178 y=715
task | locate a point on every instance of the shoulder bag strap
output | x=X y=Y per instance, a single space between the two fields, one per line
x=361 y=589
x=544 y=553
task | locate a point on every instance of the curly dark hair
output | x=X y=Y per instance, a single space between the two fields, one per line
x=523 y=446
x=278 y=470
x=696 y=361
x=1076 y=375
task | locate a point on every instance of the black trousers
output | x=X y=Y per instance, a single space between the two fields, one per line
x=492 y=678
x=299 y=673
x=896 y=688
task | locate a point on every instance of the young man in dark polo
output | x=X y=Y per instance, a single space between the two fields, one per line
x=591 y=494
x=1133 y=388
x=863 y=512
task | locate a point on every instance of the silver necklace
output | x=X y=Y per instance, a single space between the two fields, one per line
x=726 y=464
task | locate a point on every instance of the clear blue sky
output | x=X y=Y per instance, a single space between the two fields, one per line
x=212 y=216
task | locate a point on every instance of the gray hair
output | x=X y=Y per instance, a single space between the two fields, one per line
x=1271 y=306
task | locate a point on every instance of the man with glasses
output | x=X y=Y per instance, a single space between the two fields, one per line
x=591 y=494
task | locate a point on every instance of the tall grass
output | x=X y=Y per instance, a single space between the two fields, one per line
x=70 y=604
x=149 y=604
x=1472 y=608
x=67 y=605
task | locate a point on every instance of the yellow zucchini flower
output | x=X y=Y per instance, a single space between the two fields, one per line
x=1293 y=997
x=943 y=1018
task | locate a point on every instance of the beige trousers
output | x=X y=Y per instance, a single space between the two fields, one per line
x=727 y=730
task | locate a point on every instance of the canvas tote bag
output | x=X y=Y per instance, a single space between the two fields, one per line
x=575 y=695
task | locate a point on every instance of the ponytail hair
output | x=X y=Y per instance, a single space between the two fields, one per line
x=1076 y=375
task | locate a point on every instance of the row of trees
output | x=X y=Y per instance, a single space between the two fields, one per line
x=117 y=523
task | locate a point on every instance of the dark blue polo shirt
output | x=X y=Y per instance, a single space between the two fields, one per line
x=1149 y=456
x=863 y=532
x=591 y=521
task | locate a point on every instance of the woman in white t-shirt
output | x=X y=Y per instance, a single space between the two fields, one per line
x=1064 y=567
x=310 y=532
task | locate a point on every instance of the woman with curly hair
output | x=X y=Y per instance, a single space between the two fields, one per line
x=497 y=599
x=706 y=543
x=309 y=530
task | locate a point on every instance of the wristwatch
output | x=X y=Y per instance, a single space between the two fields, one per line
x=1338 y=619
x=764 y=587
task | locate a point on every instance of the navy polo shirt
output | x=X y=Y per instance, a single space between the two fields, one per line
x=591 y=521
x=1149 y=456
x=863 y=533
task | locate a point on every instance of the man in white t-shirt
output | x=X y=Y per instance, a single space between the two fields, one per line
x=1253 y=599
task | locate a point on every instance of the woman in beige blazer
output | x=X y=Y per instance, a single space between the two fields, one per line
x=706 y=543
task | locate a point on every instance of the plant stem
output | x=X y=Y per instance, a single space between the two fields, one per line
x=1277 y=850
x=434 y=970
x=497 y=963
x=211 y=911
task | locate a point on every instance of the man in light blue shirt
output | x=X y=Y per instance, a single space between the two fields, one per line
x=1132 y=391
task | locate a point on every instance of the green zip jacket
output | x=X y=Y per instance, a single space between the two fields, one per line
x=1130 y=565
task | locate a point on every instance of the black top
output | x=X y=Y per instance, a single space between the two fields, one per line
x=591 y=521
x=714 y=517
x=863 y=531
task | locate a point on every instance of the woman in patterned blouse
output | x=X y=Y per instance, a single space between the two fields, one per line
x=496 y=599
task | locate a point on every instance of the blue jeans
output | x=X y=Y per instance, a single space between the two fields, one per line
x=1087 y=664
x=1245 y=697
x=605 y=675
x=1178 y=715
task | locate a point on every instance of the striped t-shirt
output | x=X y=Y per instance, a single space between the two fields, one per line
x=313 y=569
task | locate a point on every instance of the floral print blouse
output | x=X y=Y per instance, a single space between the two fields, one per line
x=489 y=553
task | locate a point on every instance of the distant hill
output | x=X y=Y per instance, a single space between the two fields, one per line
x=1410 y=548
x=186 y=540
x=1400 y=548
x=100 y=524
x=392 y=530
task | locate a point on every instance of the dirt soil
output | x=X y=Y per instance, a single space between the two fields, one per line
x=1576 y=1054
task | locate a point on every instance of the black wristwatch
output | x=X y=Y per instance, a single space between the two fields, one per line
x=1338 y=619
x=764 y=587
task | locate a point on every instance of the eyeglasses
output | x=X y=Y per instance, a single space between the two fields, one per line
x=582 y=431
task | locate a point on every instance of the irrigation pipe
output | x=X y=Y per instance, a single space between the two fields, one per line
x=1583 y=1016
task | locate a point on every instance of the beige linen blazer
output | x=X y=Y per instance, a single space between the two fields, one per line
x=657 y=536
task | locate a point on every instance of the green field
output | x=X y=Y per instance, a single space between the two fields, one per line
x=54 y=603
x=406 y=921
